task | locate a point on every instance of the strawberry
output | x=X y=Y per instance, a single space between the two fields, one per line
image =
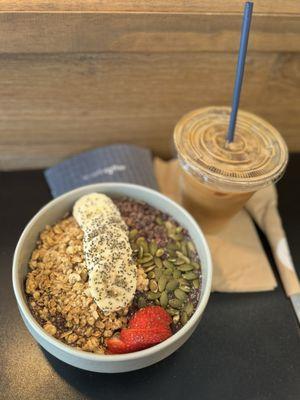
x=148 y=326
x=149 y=317
x=116 y=346
x=138 y=339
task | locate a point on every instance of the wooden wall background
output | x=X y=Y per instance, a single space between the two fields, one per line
x=78 y=74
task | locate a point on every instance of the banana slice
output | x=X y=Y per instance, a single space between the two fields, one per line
x=113 y=291
x=107 y=251
x=95 y=205
x=112 y=273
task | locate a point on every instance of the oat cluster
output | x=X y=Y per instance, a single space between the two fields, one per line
x=58 y=290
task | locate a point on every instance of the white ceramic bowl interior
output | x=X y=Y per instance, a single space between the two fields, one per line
x=50 y=214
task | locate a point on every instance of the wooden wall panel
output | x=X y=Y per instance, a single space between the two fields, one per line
x=142 y=32
x=270 y=7
x=76 y=74
x=52 y=106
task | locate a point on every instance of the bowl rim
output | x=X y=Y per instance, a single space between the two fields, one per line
x=25 y=311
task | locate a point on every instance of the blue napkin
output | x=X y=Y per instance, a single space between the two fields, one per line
x=115 y=163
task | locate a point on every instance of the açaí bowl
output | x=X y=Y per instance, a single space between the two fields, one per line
x=55 y=210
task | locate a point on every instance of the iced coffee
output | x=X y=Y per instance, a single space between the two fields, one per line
x=217 y=177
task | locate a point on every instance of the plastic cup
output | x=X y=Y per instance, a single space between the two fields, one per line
x=218 y=178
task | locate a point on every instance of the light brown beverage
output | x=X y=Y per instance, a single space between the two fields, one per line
x=218 y=178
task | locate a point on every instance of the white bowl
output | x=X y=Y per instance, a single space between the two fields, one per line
x=51 y=213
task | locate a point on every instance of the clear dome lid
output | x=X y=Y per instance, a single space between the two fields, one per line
x=257 y=157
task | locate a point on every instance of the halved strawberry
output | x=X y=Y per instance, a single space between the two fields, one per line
x=149 y=317
x=148 y=326
x=138 y=339
x=116 y=346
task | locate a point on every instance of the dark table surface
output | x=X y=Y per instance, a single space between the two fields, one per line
x=246 y=346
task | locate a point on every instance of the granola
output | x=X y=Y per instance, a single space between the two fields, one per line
x=58 y=292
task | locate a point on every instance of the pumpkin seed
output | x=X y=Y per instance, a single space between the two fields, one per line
x=189 y=308
x=185 y=267
x=134 y=247
x=172 y=253
x=178 y=245
x=153 y=247
x=172 y=285
x=191 y=250
x=151 y=274
x=133 y=233
x=185 y=288
x=168 y=271
x=183 y=248
x=158 y=262
x=191 y=247
x=178 y=229
x=157 y=302
x=176 y=236
x=171 y=246
x=141 y=241
x=179 y=261
x=183 y=257
x=172 y=311
x=180 y=294
x=190 y=276
x=183 y=281
x=141 y=302
x=171 y=260
x=147 y=257
x=148 y=264
x=158 y=273
x=153 y=296
x=196 y=283
x=153 y=286
x=195 y=265
x=141 y=252
x=162 y=281
x=164 y=299
x=145 y=244
x=159 y=252
x=169 y=226
x=175 y=303
x=176 y=319
x=176 y=274
x=159 y=221
x=184 y=318
x=167 y=264
x=150 y=268
x=179 y=254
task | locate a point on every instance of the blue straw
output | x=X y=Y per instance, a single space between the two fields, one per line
x=240 y=69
